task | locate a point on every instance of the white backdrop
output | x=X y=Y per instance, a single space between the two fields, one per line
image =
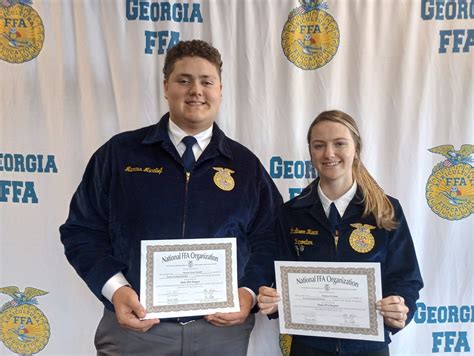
x=403 y=69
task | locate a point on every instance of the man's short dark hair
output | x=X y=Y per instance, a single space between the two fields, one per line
x=193 y=48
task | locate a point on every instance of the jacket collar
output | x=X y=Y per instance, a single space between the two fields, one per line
x=309 y=199
x=219 y=143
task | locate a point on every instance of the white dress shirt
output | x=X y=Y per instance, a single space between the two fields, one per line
x=341 y=203
x=177 y=134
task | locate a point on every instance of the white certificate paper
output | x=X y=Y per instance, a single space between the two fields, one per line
x=187 y=277
x=330 y=299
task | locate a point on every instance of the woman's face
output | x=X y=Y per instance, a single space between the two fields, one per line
x=332 y=151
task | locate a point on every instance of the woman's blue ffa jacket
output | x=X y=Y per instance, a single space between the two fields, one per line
x=135 y=188
x=306 y=235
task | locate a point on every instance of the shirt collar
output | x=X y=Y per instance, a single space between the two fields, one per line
x=158 y=133
x=341 y=203
x=176 y=134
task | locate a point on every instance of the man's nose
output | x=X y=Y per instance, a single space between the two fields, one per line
x=195 y=89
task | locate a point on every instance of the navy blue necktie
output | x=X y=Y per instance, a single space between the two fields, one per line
x=334 y=217
x=188 y=156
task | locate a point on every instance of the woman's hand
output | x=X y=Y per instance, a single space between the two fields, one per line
x=394 y=311
x=267 y=299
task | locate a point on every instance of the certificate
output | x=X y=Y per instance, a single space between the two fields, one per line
x=330 y=299
x=187 y=277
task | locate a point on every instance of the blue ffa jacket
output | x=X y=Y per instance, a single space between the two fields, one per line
x=305 y=235
x=135 y=188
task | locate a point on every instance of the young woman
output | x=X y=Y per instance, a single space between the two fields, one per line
x=344 y=199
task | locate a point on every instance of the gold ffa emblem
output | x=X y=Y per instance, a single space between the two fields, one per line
x=285 y=344
x=21 y=31
x=361 y=240
x=310 y=37
x=24 y=329
x=223 y=178
x=450 y=191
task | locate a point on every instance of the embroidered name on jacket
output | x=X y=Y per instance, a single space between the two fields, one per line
x=298 y=231
x=156 y=170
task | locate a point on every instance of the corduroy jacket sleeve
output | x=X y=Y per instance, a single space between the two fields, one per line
x=85 y=234
x=285 y=249
x=261 y=236
x=402 y=274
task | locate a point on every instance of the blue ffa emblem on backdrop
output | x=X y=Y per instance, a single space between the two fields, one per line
x=449 y=191
x=21 y=31
x=24 y=329
x=310 y=37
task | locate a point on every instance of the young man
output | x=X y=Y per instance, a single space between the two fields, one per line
x=153 y=184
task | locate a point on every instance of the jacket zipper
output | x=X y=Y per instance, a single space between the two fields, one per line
x=188 y=175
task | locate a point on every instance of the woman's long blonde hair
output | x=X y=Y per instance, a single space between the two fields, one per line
x=374 y=199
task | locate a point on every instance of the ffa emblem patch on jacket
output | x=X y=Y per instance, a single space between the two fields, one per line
x=361 y=239
x=285 y=344
x=223 y=178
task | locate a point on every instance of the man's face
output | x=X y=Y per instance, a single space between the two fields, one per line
x=193 y=91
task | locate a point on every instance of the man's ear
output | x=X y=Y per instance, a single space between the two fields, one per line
x=165 y=88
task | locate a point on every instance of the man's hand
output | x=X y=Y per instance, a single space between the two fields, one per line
x=394 y=311
x=268 y=299
x=128 y=310
x=228 y=319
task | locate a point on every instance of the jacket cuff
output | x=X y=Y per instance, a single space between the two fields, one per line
x=101 y=272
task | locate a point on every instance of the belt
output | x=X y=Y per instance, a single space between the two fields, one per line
x=183 y=320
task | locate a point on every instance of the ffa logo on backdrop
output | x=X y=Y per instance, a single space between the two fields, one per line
x=310 y=37
x=450 y=191
x=21 y=31
x=24 y=329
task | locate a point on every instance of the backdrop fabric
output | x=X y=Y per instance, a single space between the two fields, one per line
x=75 y=73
